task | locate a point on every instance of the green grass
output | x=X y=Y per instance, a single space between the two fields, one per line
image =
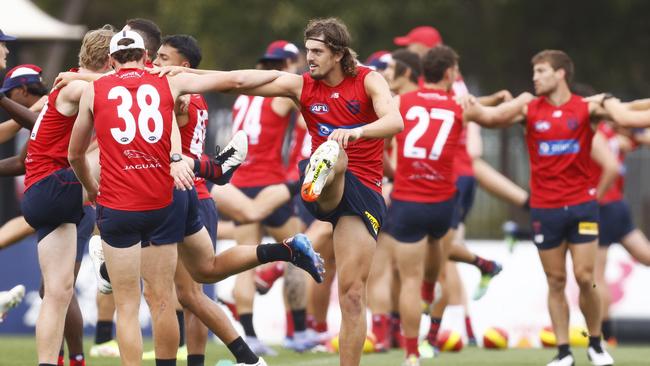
x=21 y=351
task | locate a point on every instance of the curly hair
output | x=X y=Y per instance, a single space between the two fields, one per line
x=337 y=38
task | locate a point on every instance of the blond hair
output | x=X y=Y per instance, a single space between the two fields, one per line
x=93 y=54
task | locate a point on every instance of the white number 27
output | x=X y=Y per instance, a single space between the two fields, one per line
x=423 y=118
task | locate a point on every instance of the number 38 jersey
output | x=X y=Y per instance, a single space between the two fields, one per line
x=133 y=119
x=427 y=146
x=265 y=130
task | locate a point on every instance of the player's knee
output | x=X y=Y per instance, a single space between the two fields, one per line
x=556 y=282
x=352 y=296
x=59 y=293
x=584 y=278
x=187 y=295
x=341 y=163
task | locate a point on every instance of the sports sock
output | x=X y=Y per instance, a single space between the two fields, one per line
x=311 y=322
x=61 y=359
x=594 y=342
x=411 y=346
x=299 y=320
x=563 y=350
x=273 y=252
x=207 y=169
x=104 y=331
x=320 y=327
x=290 y=324
x=165 y=362
x=433 y=330
x=195 y=360
x=484 y=265
x=104 y=272
x=77 y=360
x=242 y=352
x=381 y=328
x=181 y=326
x=426 y=292
x=606 y=327
x=246 y=321
x=468 y=327
x=395 y=330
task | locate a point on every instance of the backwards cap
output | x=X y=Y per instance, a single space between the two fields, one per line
x=137 y=41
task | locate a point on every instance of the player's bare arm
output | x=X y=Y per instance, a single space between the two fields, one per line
x=231 y=81
x=20 y=114
x=67 y=103
x=390 y=120
x=79 y=142
x=15 y=165
x=495 y=98
x=603 y=156
x=65 y=78
x=624 y=114
x=503 y=115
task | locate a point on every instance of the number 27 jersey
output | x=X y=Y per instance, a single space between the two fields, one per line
x=133 y=119
x=427 y=146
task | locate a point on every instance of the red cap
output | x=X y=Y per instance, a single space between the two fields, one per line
x=426 y=35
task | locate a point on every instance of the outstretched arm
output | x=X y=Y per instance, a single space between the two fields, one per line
x=503 y=115
x=20 y=114
x=239 y=81
x=79 y=142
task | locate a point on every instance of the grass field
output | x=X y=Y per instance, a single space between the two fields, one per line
x=21 y=351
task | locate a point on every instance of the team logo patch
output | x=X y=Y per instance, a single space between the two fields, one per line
x=573 y=124
x=354 y=106
x=588 y=228
x=325 y=130
x=373 y=222
x=542 y=126
x=558 y=147
x=319 y=108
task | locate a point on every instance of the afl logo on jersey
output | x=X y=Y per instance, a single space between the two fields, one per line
x=542 y=126
x=319 y=108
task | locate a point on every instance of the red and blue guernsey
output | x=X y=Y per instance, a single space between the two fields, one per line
x=559 y=138
x=47 y=151
x=427 y=146
x=133 y=119
x=615 y=192
x=346 y=105
x=463 y=162
x=265 y=130
x=193 y=137
x=299 y=149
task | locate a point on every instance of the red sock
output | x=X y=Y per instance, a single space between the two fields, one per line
x=397 y=341
x=77 y=360
x=381 y=329
x=468 y=327
x=289 y=324
x=311 y=322
x=411 y=346
x=60 y=361
x=320 y=327
x=484 y=265
x=433 y=330
x=426 y=291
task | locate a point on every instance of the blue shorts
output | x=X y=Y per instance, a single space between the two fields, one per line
x=85 y=231
x=52 y=201
x=278 y=217
x=302 y=212
x=409 y=222
x=209 y=218
x=575 y=224
x=466 y=186
x=183 y=219
x=615 y=222
x=357 y=200
x=124 y=229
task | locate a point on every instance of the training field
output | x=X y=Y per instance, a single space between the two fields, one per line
x=21 y=351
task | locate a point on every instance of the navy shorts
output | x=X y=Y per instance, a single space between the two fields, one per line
x=85 y=231
x=209 y=218
x=615 y=222
x=124 y=229
x=52 y=201
x=466 y=186
x=357 y=200
x=409 y=222
x=278 y=217
x=302 y=212
x=575 y=224
x=183 y=219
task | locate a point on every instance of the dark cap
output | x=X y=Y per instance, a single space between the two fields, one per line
x=21 y=75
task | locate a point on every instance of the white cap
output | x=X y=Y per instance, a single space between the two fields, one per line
x=138 y=42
